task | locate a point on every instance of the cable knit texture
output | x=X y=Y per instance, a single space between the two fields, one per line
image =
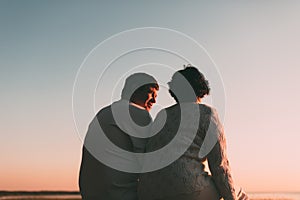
x=187 y=174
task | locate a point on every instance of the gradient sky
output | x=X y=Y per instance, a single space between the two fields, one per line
x=255 y=45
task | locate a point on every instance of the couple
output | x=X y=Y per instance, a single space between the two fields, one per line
x=183 y=179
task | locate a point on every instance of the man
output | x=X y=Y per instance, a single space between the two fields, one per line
x=103 y=180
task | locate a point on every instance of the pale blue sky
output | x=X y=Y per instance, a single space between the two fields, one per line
x=255 y=45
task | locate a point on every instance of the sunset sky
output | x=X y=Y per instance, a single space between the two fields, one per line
x=254 y=47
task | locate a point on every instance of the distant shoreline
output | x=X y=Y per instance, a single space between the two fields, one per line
x=68 y=195
x=42 y=192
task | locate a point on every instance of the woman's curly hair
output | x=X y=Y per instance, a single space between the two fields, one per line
x=195 y=78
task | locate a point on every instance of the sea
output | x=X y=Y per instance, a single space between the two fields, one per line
x=274 y=195
x=252 y=196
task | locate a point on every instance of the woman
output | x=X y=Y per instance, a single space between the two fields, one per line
x=186 y=178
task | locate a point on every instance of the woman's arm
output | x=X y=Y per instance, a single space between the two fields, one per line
x=218 y=162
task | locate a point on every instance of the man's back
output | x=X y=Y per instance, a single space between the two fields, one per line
x=98 y=181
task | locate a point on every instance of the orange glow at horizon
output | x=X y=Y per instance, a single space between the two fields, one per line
x=35 y=180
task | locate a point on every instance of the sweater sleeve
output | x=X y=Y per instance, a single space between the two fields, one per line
x=218 y=162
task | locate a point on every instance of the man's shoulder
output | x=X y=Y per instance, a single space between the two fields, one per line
x=104 y=110
x=105 y=114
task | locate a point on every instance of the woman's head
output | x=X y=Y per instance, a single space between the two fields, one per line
x=196 y=81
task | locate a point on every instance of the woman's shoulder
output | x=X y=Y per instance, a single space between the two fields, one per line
x=208 y=109
x=204 y=109
x=177 y=106
x=206 y=106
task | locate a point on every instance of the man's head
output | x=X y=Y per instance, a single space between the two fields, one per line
x=141 y=89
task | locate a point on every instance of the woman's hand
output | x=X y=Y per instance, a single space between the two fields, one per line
x=242 y=195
